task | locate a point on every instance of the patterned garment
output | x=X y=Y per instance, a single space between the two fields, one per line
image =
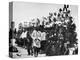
x=37 y=37
x=36 y=43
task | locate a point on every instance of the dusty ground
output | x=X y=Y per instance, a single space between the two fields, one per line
x=23 y=53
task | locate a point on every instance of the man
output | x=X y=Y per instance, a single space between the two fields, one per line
x=29 y=44
x=23 y=37
x=36 y=35
x=36 y=47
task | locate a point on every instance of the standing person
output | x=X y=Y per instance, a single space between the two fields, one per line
x=36 y=42
x=23 y=38
x=29 y=44
x=12 y=39
x=36 y=47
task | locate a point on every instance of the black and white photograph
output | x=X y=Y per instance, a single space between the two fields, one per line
x=42 y=29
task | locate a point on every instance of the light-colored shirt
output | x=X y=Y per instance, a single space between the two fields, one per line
x=23 y=35
x=36 y=43
x=34 y=34
x=43 y=36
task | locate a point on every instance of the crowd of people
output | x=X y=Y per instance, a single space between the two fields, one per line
x=53 y=35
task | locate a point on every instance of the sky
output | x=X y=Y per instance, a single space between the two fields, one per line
x=25 y=11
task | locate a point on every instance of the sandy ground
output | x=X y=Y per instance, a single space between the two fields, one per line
x=22 y=53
